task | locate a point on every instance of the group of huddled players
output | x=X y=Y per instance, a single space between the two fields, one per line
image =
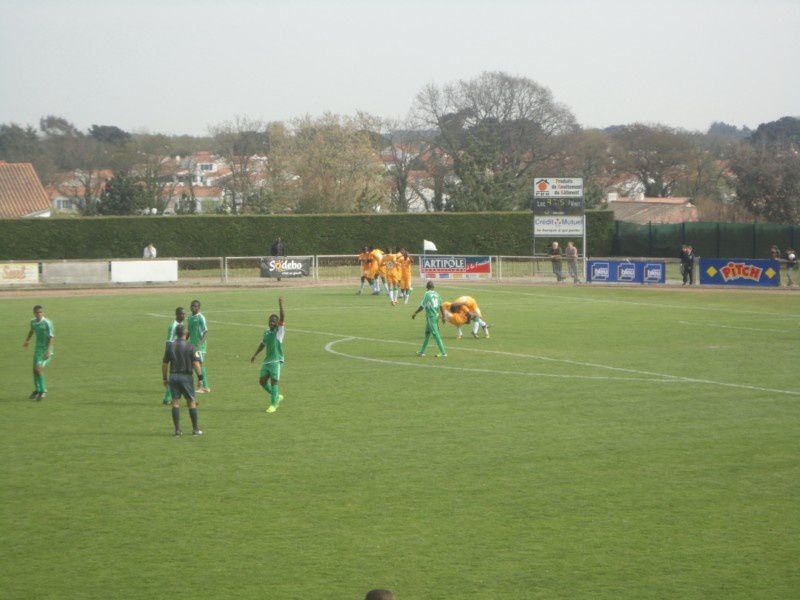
x=390 y=269
x=393 y=271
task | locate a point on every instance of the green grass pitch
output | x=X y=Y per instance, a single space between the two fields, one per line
x=603 y=443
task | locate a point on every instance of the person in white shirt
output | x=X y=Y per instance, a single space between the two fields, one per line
x=150 y=251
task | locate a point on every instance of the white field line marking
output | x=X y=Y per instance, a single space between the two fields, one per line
x=715 y=308
x=533 y=356
x=701 y=324
x=329 y=348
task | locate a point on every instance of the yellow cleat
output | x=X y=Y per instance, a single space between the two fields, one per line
x=271 y=409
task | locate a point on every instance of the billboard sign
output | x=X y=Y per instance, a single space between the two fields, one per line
x=455 y=267
x=19 y=273
x=750 y=272
x=557 y=226
x=558 y=187
x=286 y=266
x=625 y=271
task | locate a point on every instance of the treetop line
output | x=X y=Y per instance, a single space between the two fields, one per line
x=470 y=145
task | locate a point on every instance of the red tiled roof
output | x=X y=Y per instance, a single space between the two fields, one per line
x=21 y=192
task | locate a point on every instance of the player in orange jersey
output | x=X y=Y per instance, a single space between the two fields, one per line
x=405 y=262
x=467 y=306
x=459 y=318
x=392 y=275
x=366 y=268
x=376 y=255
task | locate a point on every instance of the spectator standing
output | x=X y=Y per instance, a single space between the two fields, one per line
x=775 y=252
x=555 y=258
x=571 y=253
x=277 y=249
x=149 y=251
x=791 y=266
x=687 y=264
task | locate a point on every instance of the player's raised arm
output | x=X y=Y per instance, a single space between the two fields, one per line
x=280 y=309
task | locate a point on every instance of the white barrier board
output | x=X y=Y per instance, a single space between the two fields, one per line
x=141 y=271
x=19 y=273
x=75 y=272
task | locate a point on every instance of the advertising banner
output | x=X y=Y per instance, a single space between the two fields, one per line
x=19 y=273
x=558 y=187
x=286 y=266
x=75 y=272
x=556 y=226
x=558 y=206
x=740 y=271
x=455 y=267
x=144 y=271
x=624 y=271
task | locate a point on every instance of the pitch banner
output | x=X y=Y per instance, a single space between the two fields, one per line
x=455 y=267
x=285 y=266
x=751 y=272
x=625 y=271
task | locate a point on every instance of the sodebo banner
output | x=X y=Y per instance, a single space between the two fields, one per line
x=285 y=266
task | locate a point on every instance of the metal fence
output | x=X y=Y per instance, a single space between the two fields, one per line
x=246 y=270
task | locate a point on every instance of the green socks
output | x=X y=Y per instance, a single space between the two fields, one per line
x=205 y=378
x=274 y=395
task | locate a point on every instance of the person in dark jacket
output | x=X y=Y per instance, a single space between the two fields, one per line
x=687 y=264
x=277 y=249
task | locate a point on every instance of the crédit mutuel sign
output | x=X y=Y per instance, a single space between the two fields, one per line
x=558 y=207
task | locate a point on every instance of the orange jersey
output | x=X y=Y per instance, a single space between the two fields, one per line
x=374 y=266
x=391 y=266
x=455 y=318
x=469 y=303
x=405 y=271
x=364 y=259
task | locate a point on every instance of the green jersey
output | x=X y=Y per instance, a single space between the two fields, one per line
x=197 y=328
x=273 y=344
x=44 y=331
x=171 y=331
x=431 y=302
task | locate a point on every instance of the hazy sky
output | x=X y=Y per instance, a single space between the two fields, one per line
x=177 y=66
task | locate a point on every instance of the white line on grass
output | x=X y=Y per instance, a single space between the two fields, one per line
x=716 y=326
x=665 y=376
x=329 y=348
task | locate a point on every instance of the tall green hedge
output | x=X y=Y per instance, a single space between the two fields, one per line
x=124 y=237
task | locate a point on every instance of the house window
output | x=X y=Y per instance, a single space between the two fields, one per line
x=206 y=166
x=63 y=204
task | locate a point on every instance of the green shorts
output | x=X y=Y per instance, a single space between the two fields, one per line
x=272 y=369
x=38 y=358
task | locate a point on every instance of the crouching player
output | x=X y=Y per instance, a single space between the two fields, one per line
x=465 y=310
x=270 y=375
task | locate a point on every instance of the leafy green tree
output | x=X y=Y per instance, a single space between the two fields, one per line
x=123 y=195
x=768 y=179
x=496 y=130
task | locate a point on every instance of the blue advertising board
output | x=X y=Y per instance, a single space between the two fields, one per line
x=626 y=271
x=754 y=272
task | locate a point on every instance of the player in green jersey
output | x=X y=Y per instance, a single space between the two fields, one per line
x=432 y=305
x=42 y=328
x=180 y=315
x=198 y=335
x=270 y=375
